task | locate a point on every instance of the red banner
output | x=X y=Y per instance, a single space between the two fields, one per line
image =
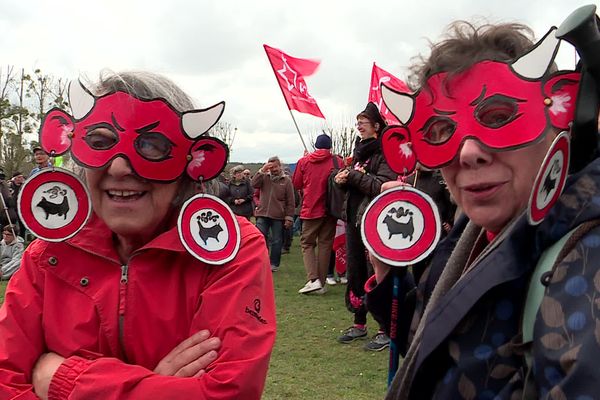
x=339 y=247
x=379 y=76
x=290 y=73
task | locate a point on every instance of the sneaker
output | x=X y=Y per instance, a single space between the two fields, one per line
x=351 y=334
x=379 y=342
x=311 y=286
x=344 y=280
x=285 y=251
x=274 y=268
x=330 y=281
x=321 y=291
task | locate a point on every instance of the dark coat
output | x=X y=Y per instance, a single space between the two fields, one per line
x=362 y=187
x=468 y=344
x=241 y=190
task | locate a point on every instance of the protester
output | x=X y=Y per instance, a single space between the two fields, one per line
x=122 y=310
x=481 y=84
x=16 y=182
x=41 y=159
x=11 y=250
x=8 y=210
x=362 y=182
x=247 y=174
x=15 y=187
x=276 y=207
x=240 y=193
x=318 y=228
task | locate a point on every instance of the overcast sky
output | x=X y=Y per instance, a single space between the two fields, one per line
x=213 y=49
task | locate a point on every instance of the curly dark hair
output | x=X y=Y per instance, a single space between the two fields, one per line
x=465 y=44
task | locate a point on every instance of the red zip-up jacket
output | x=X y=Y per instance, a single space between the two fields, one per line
x=114 y=322
x=310 y=176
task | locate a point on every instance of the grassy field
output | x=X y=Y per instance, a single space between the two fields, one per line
x=2 y=289
x=307 y=361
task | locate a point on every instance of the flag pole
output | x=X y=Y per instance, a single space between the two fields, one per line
x=298 y=129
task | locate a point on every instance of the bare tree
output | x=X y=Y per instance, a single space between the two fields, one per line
x=225 y=132
x=342 y=139
x=23 y=102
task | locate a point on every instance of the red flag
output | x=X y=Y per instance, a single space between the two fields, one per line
x=339 y=247
x=379 y=76
x=290 y=73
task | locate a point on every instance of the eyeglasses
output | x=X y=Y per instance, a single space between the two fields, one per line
x=361 y=123
x=7 y=233
x=152 y=146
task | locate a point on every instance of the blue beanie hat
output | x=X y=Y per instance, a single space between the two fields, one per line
x=323 y=142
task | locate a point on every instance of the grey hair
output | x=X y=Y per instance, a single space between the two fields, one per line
x=144 y=85
x=274 y=159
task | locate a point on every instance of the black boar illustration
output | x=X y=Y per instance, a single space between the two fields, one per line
x=406 y=229
x=60 y=209
x=212 y=231
x=551 y=179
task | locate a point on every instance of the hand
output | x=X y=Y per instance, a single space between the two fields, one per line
x=266 y=168
x=341 y=177
x=447 y=227
x=190 y=357
x=288 y=224
x=43 y=371
x=381 y=269
x=392 y=184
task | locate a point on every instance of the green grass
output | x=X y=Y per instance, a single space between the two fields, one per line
x=2 y=289
x=307 y=361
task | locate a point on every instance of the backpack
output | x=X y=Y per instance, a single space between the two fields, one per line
x=335 y=196
x=549 y=259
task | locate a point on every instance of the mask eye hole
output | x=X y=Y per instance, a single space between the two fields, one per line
x=101 y=137
x=497 y=111
x=438 y=130
x=153 y=146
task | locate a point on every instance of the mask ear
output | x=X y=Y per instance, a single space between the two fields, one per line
x=562 y=89
x=397 y=149
x=208 y=159
x=56 y=131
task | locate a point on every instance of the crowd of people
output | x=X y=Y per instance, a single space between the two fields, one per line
x=487 y=111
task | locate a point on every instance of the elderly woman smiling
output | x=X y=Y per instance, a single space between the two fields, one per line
x=121 y=309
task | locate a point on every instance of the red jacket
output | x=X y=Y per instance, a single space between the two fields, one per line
x=311 y=176
x=72 y=297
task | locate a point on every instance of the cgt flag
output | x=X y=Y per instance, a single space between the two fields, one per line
x=290 y=73
x=379 y=76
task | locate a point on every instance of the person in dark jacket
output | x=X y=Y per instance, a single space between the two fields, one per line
x=488 y=120
x=240 y=193
x=362 y=182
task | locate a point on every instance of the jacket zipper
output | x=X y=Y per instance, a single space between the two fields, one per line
x=122 y=305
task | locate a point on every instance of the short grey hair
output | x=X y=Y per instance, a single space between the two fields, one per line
x=144 y=85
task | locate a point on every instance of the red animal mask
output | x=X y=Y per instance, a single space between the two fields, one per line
x=159 y=142
x=504 y=106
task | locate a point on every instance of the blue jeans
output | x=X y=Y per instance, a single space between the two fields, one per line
x=264 y=224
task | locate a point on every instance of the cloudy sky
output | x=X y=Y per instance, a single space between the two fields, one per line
x=213 y=49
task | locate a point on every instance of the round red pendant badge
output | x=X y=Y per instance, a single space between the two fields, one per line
x=208 y=229
x=550 y=180
x=54 y=204
x=401 y=226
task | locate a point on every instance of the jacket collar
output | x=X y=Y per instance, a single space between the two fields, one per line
x=96 y=238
